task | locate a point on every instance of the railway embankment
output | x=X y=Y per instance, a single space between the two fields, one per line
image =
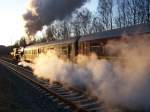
x=18 y=96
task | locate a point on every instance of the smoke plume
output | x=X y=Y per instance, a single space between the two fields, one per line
x=44 y=12
x=120 y=83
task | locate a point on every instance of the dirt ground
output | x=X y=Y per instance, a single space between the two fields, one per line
x=17 y=96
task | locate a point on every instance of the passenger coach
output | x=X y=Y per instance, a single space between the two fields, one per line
x=94 y=43
x=66 y=49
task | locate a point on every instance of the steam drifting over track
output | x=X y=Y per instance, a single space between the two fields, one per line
x=67 y=98
x=124 y=79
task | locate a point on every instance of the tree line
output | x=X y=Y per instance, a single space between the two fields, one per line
x=110 y=14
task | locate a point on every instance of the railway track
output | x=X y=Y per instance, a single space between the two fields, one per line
x=71 y=99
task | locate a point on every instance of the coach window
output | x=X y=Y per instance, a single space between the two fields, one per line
x=80 y=49
x=36 y=52
x=85 y=50
x=96 y=48
x=42 y=50
x=24 y=52
x=48 y=49
x=64 y=50
x=51 y=49
x=103 y=48
x=69 y=50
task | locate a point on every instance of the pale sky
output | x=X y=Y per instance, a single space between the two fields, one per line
x=10 y=19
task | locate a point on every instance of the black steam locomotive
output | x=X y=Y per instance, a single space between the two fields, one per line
x=93 y=43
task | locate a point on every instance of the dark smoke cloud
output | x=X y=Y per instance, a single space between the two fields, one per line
x=43 y=12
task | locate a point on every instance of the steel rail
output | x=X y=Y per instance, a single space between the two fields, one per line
x=12 y=67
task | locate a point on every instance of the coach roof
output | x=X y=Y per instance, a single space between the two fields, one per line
x=132 y=30
x=55 y=42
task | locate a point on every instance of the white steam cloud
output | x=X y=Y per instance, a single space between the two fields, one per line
x=124 y=82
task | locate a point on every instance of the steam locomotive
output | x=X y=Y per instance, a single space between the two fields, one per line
x=70 y=48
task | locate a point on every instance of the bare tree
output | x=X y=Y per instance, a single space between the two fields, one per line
x=132 y=12
x=110 y=14
x=66 y=29
x=75 y=25
x=85 y=19
x=97 y=26
x=50 y=33
x=147 y=11
x=105 y=8
x=81 y=22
